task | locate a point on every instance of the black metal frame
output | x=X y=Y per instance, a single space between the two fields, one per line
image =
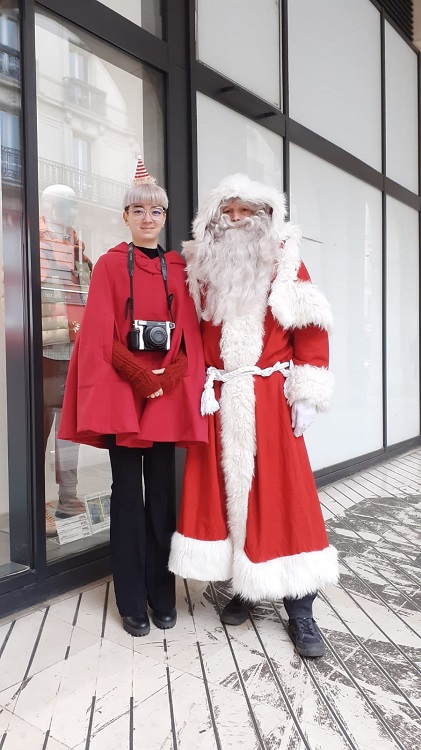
x=113 y=28
x=362 y=463
x=185 y=76
x=17 y=405
x=384 y=226
x=285 y=98
x=20 y=394
x=402 y=13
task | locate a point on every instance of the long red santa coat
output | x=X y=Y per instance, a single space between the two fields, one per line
x=97 y=401
x=250 y=509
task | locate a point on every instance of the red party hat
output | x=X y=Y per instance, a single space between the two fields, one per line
x=141 y=174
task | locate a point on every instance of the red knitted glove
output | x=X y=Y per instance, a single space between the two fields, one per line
x=173 y=372
x=127 y=365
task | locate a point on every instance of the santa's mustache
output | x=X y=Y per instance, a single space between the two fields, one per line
x=250 y=223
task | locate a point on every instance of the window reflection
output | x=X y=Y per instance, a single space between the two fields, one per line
x=9 y=44
x=65 y=275
x=97 y=109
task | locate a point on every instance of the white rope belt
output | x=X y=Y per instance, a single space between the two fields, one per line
x=209 y=404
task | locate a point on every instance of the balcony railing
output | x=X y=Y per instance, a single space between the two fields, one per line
x=11 y=164
x=9 y=63
x=89 y=186
x=86 y=96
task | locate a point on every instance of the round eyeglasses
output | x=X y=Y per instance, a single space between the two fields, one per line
x=139 y=213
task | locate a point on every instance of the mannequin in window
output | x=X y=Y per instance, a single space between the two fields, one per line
x=65 y=276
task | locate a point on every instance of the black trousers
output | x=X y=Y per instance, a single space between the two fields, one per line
x=300 y=607
x=142 y=527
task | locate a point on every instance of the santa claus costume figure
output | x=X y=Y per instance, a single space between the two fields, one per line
x=250 y=510
x=134 y=385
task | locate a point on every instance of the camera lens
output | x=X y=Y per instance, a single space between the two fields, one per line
x=155 y=337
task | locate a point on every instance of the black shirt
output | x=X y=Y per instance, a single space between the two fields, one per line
x=151 y=252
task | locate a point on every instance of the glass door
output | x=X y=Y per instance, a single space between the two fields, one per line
x=97 y=110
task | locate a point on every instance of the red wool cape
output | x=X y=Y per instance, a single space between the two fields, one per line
x=250 y=509
x=97 y=401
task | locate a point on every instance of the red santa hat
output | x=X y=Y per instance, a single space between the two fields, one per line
x=141 y=175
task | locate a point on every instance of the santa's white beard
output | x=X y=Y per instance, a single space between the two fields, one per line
x=234 y=267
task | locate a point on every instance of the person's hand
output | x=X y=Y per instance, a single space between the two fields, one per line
x=156 y=394
x=302 y=416
x=160 y=392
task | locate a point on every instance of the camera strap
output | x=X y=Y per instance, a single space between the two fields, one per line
x=130 y=301
x=164 y=272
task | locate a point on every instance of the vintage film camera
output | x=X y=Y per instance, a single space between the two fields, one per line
x=150 y=335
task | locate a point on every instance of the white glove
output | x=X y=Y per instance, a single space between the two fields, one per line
x=302 y=416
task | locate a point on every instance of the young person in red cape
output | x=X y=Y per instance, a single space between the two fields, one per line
x=133 y=387
x=256 y=518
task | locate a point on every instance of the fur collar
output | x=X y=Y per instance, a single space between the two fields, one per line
x=295 y=303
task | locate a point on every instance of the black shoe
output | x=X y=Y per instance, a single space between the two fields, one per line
x=236 y=611
x=70 y=507
x=137 y=625
x=164 y=619
x=306 y=636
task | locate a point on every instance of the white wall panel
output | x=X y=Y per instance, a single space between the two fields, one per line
x=334 y=73
x=241 y=39
x=403 y=390
x=340 y=219
x=4 y=448
x=228 y=142
x=401 y=111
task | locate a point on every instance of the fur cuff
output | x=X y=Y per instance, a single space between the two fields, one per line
x=314 y=384
x=292 y=577
x=204 y=561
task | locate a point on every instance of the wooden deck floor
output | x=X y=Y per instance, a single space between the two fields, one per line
x=71 y=678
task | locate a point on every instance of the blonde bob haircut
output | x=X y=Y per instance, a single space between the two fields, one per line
x=145 y=192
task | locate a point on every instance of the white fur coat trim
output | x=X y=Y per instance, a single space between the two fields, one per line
x=292 y=577
x=204 y=561
x=296 y=303
x=241 y=345
x=238 y=440
x=314 y=384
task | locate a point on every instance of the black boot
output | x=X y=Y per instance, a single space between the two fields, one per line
x=306 y=636
x=236 y=611
x=164 y=619
x=137 y=625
